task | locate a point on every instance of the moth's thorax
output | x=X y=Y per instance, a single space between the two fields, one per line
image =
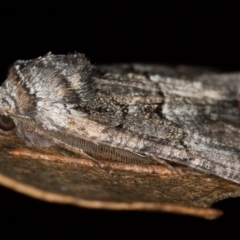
x=47 y=84
x=44 y=89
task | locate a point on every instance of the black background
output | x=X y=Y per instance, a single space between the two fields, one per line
x=172 y=33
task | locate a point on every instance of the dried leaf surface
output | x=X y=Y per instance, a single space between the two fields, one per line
x=59 y=176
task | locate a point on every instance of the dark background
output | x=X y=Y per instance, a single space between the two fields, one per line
x=173 y=33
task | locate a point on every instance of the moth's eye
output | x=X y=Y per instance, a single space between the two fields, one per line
x=6 y=123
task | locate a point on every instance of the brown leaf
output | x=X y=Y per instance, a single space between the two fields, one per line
x=56 y=175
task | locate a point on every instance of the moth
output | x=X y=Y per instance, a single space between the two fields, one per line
x=132 y=113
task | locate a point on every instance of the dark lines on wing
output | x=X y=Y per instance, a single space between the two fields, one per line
x=22 y=91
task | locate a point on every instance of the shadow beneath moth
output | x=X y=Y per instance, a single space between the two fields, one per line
x=129 y=112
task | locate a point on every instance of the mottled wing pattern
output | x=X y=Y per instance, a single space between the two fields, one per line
x=131 y=112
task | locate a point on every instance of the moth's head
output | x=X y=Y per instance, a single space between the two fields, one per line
x=6 y=122
x=42 y=88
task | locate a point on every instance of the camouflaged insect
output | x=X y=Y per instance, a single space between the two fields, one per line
x=132 y=113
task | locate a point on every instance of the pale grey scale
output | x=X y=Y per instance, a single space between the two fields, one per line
x=227 y=171
x=180 y=112
x=212 y=86
x=217 y=133
x=217 y=151
x=181 y=72
x=215 y=156
x=214 y=145
x=190 y=111
x=129 y=83
x=231 y=80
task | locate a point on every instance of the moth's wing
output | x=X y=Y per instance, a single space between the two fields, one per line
x=201 y=111
x=195 y=121
x=207 y=108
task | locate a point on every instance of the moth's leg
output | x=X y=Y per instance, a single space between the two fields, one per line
x=92 y=159
x=164 y=163
x=27 y=134
x=132 y=157
x=82 y=153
